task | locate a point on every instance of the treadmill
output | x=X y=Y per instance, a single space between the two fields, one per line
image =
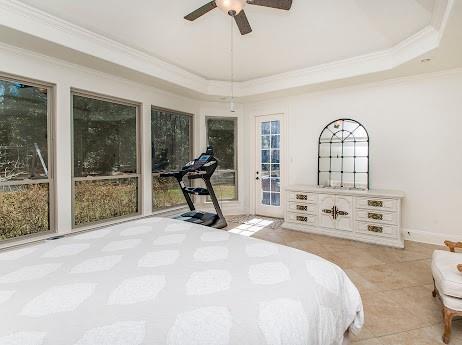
x=203 y=168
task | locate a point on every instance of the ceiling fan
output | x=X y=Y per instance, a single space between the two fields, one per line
x=235 y=8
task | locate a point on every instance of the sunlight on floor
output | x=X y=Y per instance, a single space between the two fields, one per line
x=251 y=227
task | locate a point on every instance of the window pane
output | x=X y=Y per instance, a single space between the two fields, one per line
x=24 y=208
x=166 y=193
x=171 y=140
x=105 y=199
x=105 y=145
x=104 y=137
x=224 y=184
x=171 y=145
x=221 y=134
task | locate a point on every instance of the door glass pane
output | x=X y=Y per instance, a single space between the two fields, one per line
x=275 y=185
x=275 y=141
x=275 y=156
x=265 y=141
x=265 y=156
x=24 y=204
x=105 y=148
x=276 y=199
x=270 y=158
x=275 y=170
x=265 y=128
x=275 y=127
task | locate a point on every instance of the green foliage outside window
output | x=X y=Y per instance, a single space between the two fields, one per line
x=105 y=145
x=221 y=135
x=171 y=149
x=24 y=205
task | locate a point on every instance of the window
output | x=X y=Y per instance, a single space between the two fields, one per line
x=171 y=144
x=221 y=135
x=106 y=179
x=24 y=159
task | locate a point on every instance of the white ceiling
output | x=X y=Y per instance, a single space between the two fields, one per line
x=314 y=32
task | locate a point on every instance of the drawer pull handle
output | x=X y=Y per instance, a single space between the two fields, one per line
x=374 y=228
x=302 y=219
x=375 y=203
x=301 y=197
x=375 y=216
x=302 y=208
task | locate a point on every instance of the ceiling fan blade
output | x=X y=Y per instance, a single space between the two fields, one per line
x=243 y=23
x=279 y=4
x=201 y=11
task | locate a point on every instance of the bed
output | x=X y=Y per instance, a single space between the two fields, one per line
x=162 y=281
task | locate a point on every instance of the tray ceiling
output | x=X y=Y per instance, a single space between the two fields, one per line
x=313 y=33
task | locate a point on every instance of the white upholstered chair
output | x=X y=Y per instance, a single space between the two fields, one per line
x=447 y=275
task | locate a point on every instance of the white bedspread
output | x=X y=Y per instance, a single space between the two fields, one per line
x=159 y=281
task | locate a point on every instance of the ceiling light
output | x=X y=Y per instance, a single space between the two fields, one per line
x=232 y=7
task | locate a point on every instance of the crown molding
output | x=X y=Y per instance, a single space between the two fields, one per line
x=29 y=20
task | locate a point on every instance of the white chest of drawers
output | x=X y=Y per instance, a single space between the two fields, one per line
x=372 y=216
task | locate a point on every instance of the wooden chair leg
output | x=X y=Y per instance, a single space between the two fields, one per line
x=448 y=314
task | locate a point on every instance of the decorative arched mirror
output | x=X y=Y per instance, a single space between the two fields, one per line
x=343 y=159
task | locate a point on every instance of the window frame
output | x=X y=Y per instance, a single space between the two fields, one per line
x=50 y=181
x=191 y=152
x=235 y=120
x=138 y=175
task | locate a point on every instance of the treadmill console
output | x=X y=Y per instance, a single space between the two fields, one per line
x=200 y=163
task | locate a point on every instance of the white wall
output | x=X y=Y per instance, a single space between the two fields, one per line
x=415 y=129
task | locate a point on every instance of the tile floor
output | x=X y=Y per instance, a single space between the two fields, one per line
x=395 y=284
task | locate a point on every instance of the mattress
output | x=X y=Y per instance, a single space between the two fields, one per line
x=162 y=281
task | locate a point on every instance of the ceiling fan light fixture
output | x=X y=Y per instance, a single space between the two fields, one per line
x=231 y=7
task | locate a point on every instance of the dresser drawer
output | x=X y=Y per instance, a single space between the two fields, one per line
x=377 y=229
x=302 y=208
x=301 y=218
x=377 y=204
x=377 y=216
x=302 y=197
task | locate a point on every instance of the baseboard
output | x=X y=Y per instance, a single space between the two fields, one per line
x=428 y=237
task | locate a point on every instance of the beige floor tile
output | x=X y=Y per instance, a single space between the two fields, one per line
x=419 y=301
x=384 y=316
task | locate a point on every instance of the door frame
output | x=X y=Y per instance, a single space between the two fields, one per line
x=282 y=116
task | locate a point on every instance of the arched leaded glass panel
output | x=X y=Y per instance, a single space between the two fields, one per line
x=343 y=156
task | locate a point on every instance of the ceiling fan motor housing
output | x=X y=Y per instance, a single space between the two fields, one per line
x=231 y=7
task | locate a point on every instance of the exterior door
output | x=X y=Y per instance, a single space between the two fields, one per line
x=269 y=193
